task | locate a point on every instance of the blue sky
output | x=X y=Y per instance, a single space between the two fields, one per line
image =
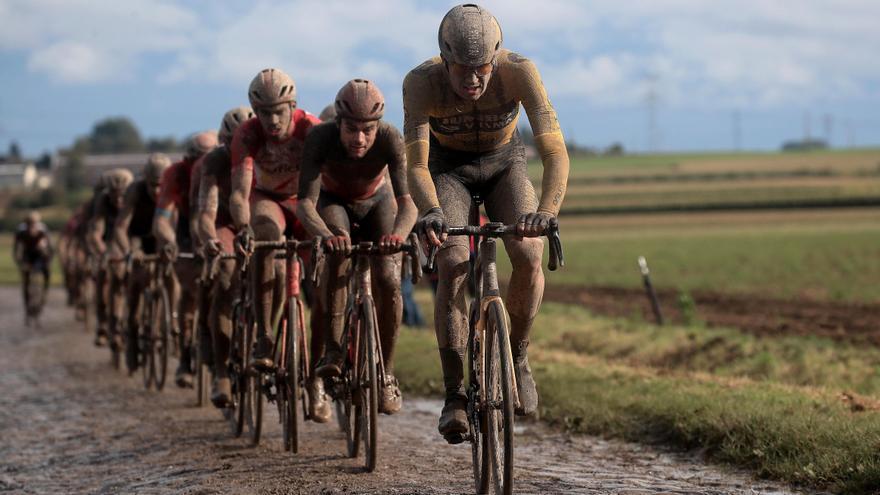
x=175 y=67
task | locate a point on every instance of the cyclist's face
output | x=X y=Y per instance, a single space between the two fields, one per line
x=469 y=82
x=357 y=137
x=275 y=120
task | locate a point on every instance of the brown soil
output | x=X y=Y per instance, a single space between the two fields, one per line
x=71 y=424
x=852 y=322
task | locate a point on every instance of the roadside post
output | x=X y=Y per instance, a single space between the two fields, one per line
x=649 y=290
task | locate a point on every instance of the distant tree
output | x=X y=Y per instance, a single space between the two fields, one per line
x=115 y=135
x=164 y=145
x=74 y=174
x=809 y=144
x=44 y=162
x=14 y=154
x=616 y=149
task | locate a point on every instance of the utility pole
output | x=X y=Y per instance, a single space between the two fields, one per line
x=736 y=124
x=828 y=127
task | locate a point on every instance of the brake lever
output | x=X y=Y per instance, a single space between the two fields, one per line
x=557 y=259
x=317 y=258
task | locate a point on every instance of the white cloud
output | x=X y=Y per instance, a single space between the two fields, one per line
x=721 y=54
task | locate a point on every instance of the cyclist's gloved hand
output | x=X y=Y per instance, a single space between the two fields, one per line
x=338 y=244
x=244 y=241
x=432 y=227
x=169 y=251
x=390 y=243
x=211 y=248
x=533 y=224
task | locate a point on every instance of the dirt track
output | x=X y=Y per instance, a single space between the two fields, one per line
x=763 y=316
x=69 y=424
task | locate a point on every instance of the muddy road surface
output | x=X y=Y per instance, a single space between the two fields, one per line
x=71 y=424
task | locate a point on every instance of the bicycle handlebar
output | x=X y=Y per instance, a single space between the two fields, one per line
x=497 y=229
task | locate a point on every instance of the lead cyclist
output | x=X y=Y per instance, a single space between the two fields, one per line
x=460 y=127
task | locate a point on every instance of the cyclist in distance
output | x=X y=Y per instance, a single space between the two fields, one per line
x=171 y=226
x=460 y=125
x=100 y=232
x=354 y=174
x=32 y=252
x=133 y=236
x=216 y=235
x=266 y=157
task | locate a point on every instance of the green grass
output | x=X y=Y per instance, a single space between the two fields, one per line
x=772 y=405
x=827 y=257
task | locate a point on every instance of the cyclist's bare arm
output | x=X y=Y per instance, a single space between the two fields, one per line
x=123 y=220
x=209 y=194
x=406 y=208
x=242 y=179
x=310 y=188
x=97 y=226
x=166 y=208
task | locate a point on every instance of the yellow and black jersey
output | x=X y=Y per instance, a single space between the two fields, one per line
x=431 y=108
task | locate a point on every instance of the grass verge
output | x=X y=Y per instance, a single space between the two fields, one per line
x=799 y=434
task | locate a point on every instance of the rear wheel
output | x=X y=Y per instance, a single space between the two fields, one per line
x=203 y=374
x=499 y=400
x=252 y=394
x=146 y=355
x=475 y=411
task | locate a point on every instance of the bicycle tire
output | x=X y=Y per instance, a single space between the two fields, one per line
x=145 y=335
x=370 y=385
x=499 y=390
x=162 y=316
x=253 y=394
x=203 y=374
x=475 y=411
x=237 y=363
x=353 y=398
x=291 y=385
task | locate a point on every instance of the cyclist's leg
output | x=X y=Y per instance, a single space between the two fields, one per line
x=386 y=291
x=268 y=223
x=117 y=302
x=138 y=280
x=451 y=308
x=102 y=293
x=187 y=275
x=511 y=196
x=225 y=288
x=26 y=293
x=335 y=215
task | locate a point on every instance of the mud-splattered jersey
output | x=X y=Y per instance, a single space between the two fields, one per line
x=432 y=108
x=349 y=178
x=174 y=187
x=275 y=164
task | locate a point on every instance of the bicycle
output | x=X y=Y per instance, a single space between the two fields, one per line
x=155 y=322
x=285 y=384
x=491 y=390
x=356 y=390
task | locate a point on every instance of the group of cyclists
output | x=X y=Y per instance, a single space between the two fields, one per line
x=274 y=171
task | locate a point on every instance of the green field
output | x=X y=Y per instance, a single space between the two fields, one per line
x=795 y=409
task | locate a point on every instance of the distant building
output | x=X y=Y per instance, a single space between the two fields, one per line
x=18 y=175
x=95 y=165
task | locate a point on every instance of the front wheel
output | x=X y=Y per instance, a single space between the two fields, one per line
x=370 y=385
x=499 y=400
x=161 y=333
